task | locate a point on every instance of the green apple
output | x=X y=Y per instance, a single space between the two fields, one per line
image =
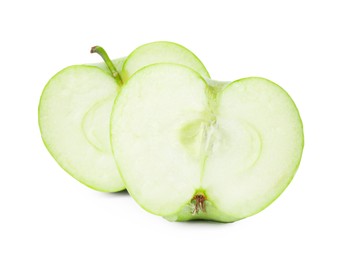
x=75 y=108
x=187 y=149
x=161 y=52
x=73 y=118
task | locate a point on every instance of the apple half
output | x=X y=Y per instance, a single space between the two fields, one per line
x=75 y=108
x=73 y=118
x=188 y=150
x=161 y=52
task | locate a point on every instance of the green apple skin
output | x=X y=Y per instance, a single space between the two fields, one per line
x=237 y=144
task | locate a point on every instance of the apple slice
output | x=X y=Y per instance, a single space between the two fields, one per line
x=161 y=52
x=74 y=113
x=75 y=108
x=73 y=117
x=187 y=150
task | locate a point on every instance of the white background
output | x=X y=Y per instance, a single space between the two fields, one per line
x=46 y=214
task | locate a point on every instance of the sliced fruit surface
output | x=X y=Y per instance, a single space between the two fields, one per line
x=161 y=52
x=255 y=149
x=73 y=118
x=188 y=150
x=151 y=110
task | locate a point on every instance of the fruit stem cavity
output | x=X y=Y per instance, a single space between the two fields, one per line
x=199 y=203
x=99 y=50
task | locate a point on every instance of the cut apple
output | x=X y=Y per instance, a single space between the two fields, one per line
x=161 y=52
x=189 y=150
x=75 y=108
x=73 y=119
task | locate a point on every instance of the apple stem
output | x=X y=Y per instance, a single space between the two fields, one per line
x=99 y=50
x=199 y=200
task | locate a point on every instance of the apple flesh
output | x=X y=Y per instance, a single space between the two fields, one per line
x=187 y=149
x=161 y=52
x=73 y=118
x=153 y=53
x=75 y=108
